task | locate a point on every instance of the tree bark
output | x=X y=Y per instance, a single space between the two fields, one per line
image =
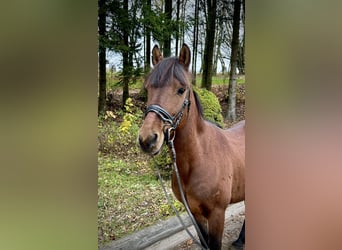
x=167 y=39
x=183 y=18
x=125 y=58
x=209 y=45
x=102 y=57
x=147 y=38
x=219 y=39
x=241 y=52
x=231 y=114
x=195 y=44
x=177 y=31
x=241 y=57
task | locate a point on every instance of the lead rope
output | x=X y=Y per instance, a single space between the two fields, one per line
x=174 y=122
x=173 y=207
x=184 y=200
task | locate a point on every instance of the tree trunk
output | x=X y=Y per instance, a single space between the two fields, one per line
x=218 y=43
x=223 y=65
x=231 y=115
x=147 y=38
x=241 y=57
x=202 y=59
x=102 y=57
x=183 y=18
x=241 y=52
x=209 y=45
x=177 y=31
x=125 y=59
x=195 y=43
x=167 y=39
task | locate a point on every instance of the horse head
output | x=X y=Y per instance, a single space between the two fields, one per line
x=168 y=90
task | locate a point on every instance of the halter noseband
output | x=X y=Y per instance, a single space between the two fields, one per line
x=172 y=121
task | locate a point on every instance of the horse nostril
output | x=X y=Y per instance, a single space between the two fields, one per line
x=152 y=140
x=149 y=142
x=155 y=137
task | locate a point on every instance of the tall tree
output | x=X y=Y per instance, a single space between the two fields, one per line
x=177 y=25
x=231 y=114
x=209 y=44
x=241 y=51
x=195 y=43
x=125 y=32
x=102 y=56
x=182 y=33
x=125 y=55
x=167 y=37
x=147 y=15
x=241 y=56
x=218 y=42
x=221 y=35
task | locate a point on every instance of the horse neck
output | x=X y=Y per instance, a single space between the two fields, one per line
x=187 y=133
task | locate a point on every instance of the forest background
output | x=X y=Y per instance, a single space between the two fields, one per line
x=129 y=195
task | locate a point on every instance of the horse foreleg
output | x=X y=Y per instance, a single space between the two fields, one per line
x=202 y=224
x=216 y=226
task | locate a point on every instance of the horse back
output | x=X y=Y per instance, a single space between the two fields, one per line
x=238 y=129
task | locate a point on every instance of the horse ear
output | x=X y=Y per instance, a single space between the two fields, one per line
x=156 y=55
x=185 y=56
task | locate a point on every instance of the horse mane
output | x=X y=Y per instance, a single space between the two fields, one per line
x=164 y=73
x=200 y=110
x=198 y=104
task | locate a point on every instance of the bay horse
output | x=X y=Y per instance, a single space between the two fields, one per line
x=210 y=160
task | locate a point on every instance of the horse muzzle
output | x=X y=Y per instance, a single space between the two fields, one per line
x=151 y=135
x=149 y=144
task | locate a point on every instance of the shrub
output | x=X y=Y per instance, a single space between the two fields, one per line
x=211 y=106
x=115 y=137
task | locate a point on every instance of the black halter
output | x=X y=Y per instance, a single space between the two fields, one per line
x=172 y=121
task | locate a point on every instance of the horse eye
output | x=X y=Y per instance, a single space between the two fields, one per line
x=180 y=91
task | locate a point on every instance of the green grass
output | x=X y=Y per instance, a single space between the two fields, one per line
x=130 y=197
x=219 y=79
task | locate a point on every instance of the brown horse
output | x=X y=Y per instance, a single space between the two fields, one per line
x=210 y=160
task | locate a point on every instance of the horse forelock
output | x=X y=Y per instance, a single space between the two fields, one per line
x=164 y=73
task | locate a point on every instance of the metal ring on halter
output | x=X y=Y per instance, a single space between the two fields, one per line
x=169 y=131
